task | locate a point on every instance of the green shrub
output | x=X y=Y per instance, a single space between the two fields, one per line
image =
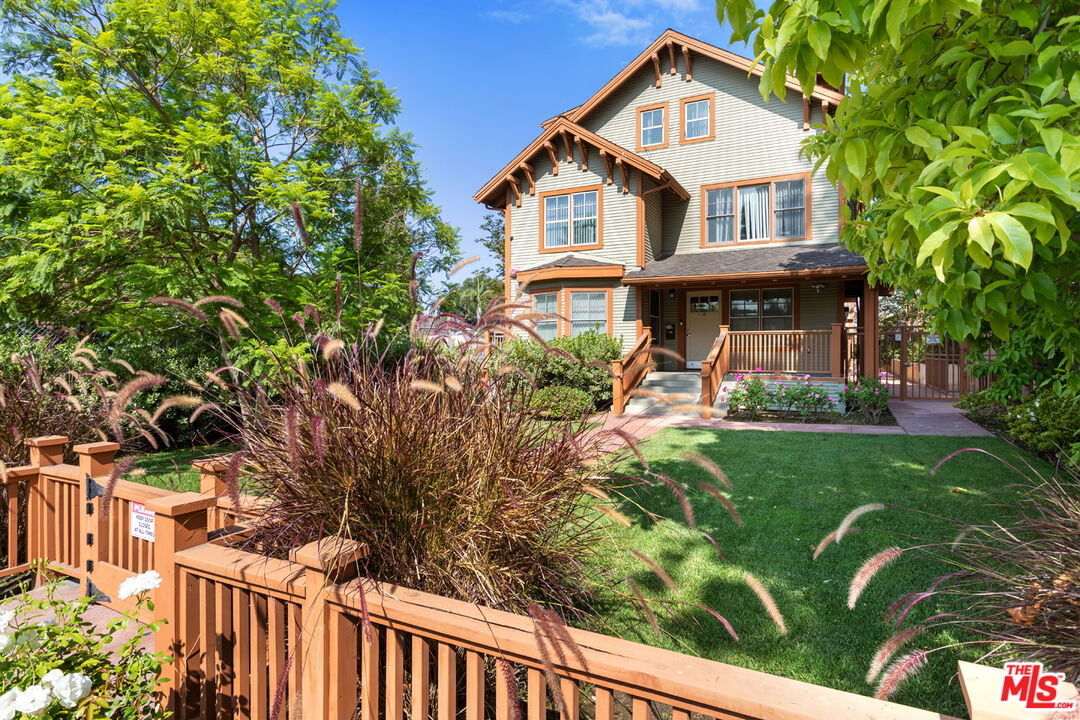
x=1048 y=421
x=807 y=399
x=582 y=363
x=561 y=403
x=985 y=408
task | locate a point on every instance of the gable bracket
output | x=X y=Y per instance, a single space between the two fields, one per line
x=512 y=180
x=583 y=150
x=686 y=59
x=528 y=169
x=607 y=163
x=656 y=67
x=805 y=113
x=569 y=150
x=671 y=56
x=554 y=160
x=622 y=171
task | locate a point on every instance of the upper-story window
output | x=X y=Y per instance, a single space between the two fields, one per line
x=755 y=212
x=571 y=220
x=697 y=120
x=652 y=126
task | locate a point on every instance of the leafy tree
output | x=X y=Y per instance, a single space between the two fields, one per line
x=493 y=234
x=959 y=137
x=155 y=148
x=471 y=297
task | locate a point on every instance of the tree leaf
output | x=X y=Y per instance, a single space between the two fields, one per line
x=980 y=231
x=855 y=156
x=819 y=35
x=1015 y=238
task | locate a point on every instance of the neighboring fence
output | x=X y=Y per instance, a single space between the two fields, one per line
x=257 y=637
x=813 y=352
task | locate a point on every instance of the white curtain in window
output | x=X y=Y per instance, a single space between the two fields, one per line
x=547 y=304
x=588 y=311
x=585 y=214
x=791 y=208
x=754 y=212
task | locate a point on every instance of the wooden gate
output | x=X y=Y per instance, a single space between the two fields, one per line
x=920 y=364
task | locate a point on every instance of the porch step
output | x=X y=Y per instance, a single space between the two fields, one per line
x=679 y=388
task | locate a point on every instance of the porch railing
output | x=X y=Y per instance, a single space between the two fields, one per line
x=713 y=369
x=628 y=372
x=812 y=352
x=302 y=639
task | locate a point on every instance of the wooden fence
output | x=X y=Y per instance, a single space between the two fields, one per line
x=256 y=637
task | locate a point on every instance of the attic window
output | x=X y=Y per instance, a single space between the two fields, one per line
x=652 y=126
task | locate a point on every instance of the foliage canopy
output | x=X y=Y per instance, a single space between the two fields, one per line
x=960 y=138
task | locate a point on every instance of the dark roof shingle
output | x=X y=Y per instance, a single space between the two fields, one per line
x=741 y=261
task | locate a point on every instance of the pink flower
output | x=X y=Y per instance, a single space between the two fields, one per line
x=757 y=369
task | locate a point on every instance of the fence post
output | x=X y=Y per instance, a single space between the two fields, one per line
x=179 y=524
x=212 y=484
x=835 y=361
x=617 y=387
x=95 y=460
x=328 y=561
x=44 y=451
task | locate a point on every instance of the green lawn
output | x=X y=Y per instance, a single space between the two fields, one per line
x=172 y=468
x=792 y=489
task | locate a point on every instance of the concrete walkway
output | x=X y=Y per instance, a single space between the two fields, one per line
x=98 y=615
x=914 y=417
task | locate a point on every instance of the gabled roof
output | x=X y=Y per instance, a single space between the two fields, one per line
x=493 y=193
x=681 y=44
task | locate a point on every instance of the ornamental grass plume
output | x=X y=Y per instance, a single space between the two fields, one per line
x=869 y=569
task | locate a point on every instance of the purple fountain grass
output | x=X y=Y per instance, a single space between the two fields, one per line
x=728 y=505
x=870 y=568
x=889 y=648
x=766 y=600
x=645 y=609
x=657 y=570
x=899 y=671
x=854 y=515
x=712 y=468
x=828 y=540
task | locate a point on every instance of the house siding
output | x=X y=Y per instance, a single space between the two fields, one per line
x=818 y=311
x=752 y=140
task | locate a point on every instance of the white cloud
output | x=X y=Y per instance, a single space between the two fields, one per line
x=514 y=16
x=631 y=22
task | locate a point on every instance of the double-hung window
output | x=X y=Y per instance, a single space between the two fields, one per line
x=572 y=220
x=547 y=304
x=755 y=212
x=697 y=122
x=588 y=311
x=651 y=127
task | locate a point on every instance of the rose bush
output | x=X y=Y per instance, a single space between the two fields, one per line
x=53 y=663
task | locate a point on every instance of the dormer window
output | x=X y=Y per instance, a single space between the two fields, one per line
x=652 y=126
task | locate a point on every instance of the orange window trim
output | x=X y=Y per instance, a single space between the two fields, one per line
x=711 y=97
x=610 y=307
x=643 y=109
x=772 y=209
x=599 y=218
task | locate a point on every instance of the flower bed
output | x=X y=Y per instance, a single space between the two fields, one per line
x=756 y=398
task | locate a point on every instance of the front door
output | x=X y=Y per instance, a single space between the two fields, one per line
x=703 y=318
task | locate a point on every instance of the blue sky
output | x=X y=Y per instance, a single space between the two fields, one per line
x=476 y=79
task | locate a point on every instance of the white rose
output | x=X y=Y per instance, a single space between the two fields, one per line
x=70 y=689
x=6 y=618
x=6 y=642
x=145 y=582
x=7 y=704
x=51 y=677
x=33 y=701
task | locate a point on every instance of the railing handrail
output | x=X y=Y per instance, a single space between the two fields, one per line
x=686 y=682
x=628 y=371
x=741 y=333
x=713 y=370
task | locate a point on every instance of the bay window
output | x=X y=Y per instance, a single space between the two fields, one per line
x=588 y=311
x=547 y=304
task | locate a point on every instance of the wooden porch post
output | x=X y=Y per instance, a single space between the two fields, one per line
x=328 y=561
x=179 y=524
x=212 y=485
x=47 y=450
x=836 y=369
x=870 y=326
